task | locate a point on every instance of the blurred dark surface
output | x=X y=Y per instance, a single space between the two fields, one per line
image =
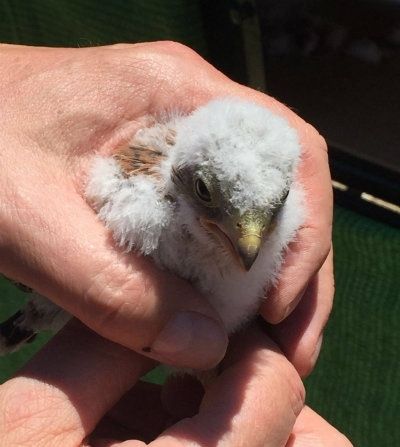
x=337 y=63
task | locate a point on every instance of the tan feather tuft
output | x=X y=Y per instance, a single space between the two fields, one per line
x=170 y=137
x=136 y=159
x=139 y=158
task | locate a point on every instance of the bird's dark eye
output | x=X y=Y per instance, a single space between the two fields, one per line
x=202 y=191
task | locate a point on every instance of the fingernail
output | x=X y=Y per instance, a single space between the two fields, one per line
x=293 y=304
x=191 y=340
x=275 y=313
x=285 y=312
x=318 y=346
x=289 y=308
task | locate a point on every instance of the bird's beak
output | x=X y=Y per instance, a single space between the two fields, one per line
x=242 y=236
x=248 y=248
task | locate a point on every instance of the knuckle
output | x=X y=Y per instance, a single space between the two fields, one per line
x=166 y=54
x=170 y=61
x=297 y=392
x=284 y=376
x=322 y=144
x=313 y=138
x=160 y=70
x=318 y=242
x=314 y=244
x=175 y=48
x=290 y=380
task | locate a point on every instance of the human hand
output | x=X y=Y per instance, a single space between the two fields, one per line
x=79 y=391
x=60 y=107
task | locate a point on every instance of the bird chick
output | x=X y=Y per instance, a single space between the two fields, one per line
x=211 y=196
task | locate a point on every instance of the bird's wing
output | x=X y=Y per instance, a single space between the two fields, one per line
x=138 y=159
x=144 y=157
x=128 y=190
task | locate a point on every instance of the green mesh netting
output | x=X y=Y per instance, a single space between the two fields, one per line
x=100 y=22
x=356 y=384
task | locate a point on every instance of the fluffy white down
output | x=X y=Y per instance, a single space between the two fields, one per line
x=252 y=149
x=132 y=208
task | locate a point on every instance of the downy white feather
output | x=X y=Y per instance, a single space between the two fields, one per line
x=254 y=152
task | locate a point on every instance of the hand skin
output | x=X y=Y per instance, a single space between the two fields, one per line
x=59 y=107
x=78 y=391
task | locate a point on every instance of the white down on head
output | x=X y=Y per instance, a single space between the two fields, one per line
x=252 y=154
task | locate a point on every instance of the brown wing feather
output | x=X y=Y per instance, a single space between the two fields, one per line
x=138 y=158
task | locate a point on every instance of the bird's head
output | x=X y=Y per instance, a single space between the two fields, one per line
x=233 y=167
x=239 y=229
